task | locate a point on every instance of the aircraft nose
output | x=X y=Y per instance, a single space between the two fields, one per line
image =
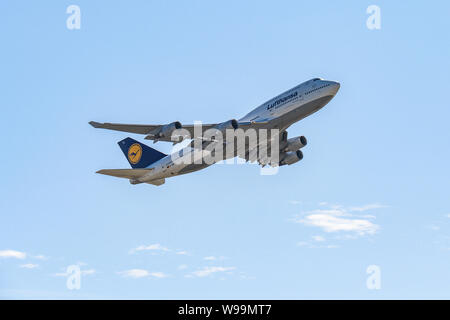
x=334 y=88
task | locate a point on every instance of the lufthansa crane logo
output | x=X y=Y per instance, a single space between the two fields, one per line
x=134 y=153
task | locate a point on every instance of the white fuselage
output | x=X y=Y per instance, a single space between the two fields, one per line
x=277 y=113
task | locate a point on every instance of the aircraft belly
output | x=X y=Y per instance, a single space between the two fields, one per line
x=191 y=168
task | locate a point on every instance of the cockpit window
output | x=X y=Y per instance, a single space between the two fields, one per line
x=315 y=79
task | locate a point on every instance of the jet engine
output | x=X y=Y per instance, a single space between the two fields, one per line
x=230 y=124
x=291 y=158
x=295 y=144
x=166 y=131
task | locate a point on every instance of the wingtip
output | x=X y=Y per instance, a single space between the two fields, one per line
x=95 y=124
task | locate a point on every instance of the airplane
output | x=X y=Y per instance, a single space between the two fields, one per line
x=153 y=167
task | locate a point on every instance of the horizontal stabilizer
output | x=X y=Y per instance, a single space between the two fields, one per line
x=125 y=173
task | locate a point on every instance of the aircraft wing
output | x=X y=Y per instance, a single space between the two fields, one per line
x=156 y=132
x=151 y=131
x=132 y=128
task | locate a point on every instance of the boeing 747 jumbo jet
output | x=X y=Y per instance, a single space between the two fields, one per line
x=276 y=115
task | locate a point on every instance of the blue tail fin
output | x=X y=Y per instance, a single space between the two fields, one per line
x=139 y=155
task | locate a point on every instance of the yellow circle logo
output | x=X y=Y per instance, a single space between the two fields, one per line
x=134 y=153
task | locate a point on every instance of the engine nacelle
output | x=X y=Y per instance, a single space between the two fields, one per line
x=230 y=124
x=291 y=158
x=296 y=143
x=166 y=131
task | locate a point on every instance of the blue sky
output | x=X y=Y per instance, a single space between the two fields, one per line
x=372 y=189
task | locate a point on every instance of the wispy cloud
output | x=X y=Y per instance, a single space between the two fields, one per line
x=214 y=258
x=134 y=273
x=433 y=227
x=61 y=274
x=12 y=254
x=85 y=272
x=88 y=272
x=158 y=274
x=367 y=207
x=316 y=242
x=318 y=238
x=152 y=247
x=207 y=271
x=337 y=218
x=141 y=273
x=314 y=245
x=157 y=248
x=182 y=267
x=331 y=223
x=210 y=258
x=29 y=266
x=40 y=257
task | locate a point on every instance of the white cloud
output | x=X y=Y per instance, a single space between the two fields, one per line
x=337 y=218
x=182 y=267
x=243 y=275
x=206 y=271
x=214 y=258
x=141 y=273
x=40 y=257
x=87 y=272
x=210 y=258
x=158 y=248
x=29 y=266
x=12 y=254
x=152 y=247
x=367 y=207
x=158 y=274
x=83 y=272
x=332 y=211
x=318 y=238
x=61 y=274
x=134 y=273
x=434 y=227
x=313 y=245
x=331 y=223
